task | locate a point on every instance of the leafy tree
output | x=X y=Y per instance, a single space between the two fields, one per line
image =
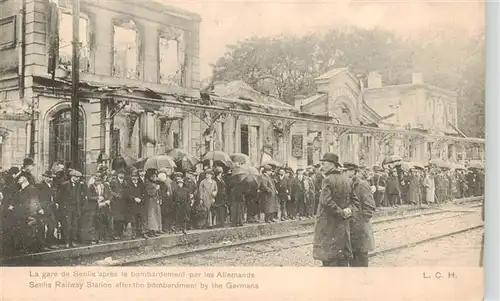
x=447 y=57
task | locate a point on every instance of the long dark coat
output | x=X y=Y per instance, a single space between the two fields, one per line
x=119 y=200
x=332 y=240
x=47 y=196
x=71 y=200
x=283 y=188
x=135 y=191
x=363 y=209
x=182 y=205
x=268 y=195
x=221 y=198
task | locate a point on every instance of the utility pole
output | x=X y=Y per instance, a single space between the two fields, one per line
x=75 y=81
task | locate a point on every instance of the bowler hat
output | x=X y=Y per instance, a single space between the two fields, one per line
x=28 y=161
x=75 y=173
x=350 y=166
x=48 y=174
x=332 y=158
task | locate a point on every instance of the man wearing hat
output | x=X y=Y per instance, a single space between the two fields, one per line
x=135 y=195
x=46 y=195
x=284 y=192
x=28 y=214
x=72 y=195
x=220 y=198
x=28 y=167
x=331 y=242
x=363 y=209
x=119 y=204
x=269 y=196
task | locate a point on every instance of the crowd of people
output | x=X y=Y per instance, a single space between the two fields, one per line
x=65 y=208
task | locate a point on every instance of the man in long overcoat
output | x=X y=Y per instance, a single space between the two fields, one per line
x=135 y=194
x=332 y=240
x=71 y=199
x=282 y=186
x=363 y=209
x=47 y=196
x=269 y=196
x=119 y=204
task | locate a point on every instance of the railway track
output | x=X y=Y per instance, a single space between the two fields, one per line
x=425 y=218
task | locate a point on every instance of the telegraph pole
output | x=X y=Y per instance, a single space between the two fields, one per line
x=75 y=81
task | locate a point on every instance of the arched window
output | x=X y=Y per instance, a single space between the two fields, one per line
x=60 y=139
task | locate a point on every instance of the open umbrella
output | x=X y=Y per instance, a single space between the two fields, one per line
x=417 y=165
x=217 y=156
x=406 y=166
x=272 y=163
x=240 y=158
x=246 y=179
x=183 y=159
x=156 y=162
x=122 y=162
x=392 y=159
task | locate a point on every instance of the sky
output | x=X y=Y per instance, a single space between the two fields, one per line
x=225 y=22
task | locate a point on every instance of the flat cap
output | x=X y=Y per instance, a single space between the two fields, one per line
x=75 y=173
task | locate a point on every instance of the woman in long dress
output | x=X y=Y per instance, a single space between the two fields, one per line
x=152 y=203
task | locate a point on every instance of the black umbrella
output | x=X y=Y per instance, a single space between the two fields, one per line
x=246 y=179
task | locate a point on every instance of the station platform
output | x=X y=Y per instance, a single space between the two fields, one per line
x=208 y=236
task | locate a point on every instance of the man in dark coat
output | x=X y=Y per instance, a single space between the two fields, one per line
x=28 y=215
x=332 y=241
x=221 y=199
x=282 y=185
x=119 y=204
x=135 y=195
x=71 y=197
x=300 y=192
x=392 y=190
x=269 y=196
x=9 y=191
x=363 y=209
x=47 y=196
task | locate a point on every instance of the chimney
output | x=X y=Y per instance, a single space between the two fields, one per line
x=417 y=78
x=298 y=99
x=374 y=80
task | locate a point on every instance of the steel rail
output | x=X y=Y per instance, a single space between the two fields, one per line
x=262 y=240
